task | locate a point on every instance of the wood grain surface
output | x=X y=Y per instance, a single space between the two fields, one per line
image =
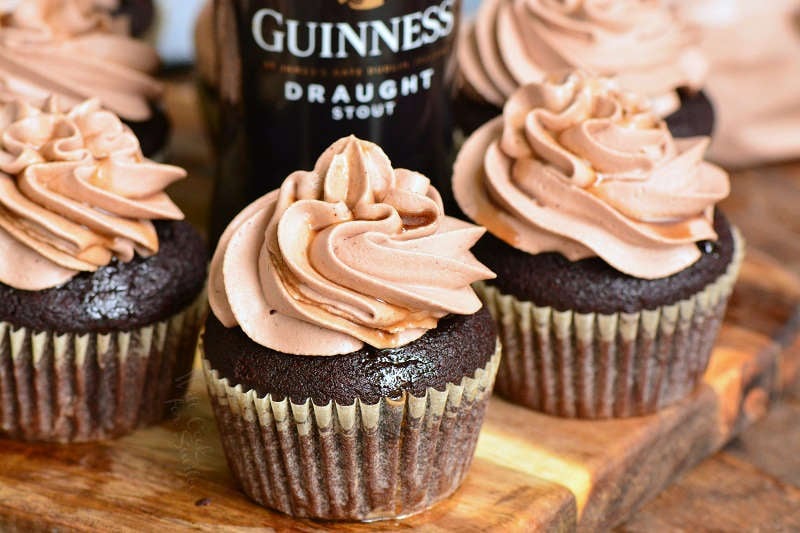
x=752 y=485
x=531 y=472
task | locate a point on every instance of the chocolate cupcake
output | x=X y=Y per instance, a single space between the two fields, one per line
x=348 y=361
x=614 y=269
x=100 y=308
x=77 y=50
x=643 y=44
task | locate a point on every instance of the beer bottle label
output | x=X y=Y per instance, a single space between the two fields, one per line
x=313 y=71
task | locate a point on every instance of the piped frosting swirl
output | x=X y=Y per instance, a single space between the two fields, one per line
x=640 y=42
x=75 y=50
x=352 y=252
x=75 y=192
x=580 y=167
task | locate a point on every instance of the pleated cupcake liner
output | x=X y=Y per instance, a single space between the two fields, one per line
x=362 y=461
x=595 y=366
x=88 y=387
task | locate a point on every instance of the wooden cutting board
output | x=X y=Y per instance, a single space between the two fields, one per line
x=531 y=471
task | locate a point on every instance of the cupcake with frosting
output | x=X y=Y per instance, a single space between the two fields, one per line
x=642 y=43
x=348 y=359
x=101 y=283
x=76 y=50
x=613 y=265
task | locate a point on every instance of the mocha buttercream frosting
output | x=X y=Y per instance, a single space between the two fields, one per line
x=74 y=49
x=75 y=193
x=581 y=167
x=640 y=42
x=352 y=252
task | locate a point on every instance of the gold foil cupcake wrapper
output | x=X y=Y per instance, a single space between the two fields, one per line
x=362 y=461
x=87 y=387
x=593 y=365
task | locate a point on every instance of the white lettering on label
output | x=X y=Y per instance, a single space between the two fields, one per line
x=369 y=100
x=293 y=91
x=273 y=32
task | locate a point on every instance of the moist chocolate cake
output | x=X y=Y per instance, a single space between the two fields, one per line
x=591 y=285
x=368 y=374
x=119 y=296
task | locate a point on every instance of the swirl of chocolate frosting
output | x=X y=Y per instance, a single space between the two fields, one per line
x=75 y=192
x=580 y=167
x=640 y=42
x=75 y=50
x=351 y=252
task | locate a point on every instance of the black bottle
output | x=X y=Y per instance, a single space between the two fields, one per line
x=298 y=74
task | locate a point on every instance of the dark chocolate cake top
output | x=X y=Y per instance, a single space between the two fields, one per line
x=121 y=296
x=455 y=349
x=591 y=285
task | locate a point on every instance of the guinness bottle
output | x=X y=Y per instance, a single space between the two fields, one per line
x=295 y=75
